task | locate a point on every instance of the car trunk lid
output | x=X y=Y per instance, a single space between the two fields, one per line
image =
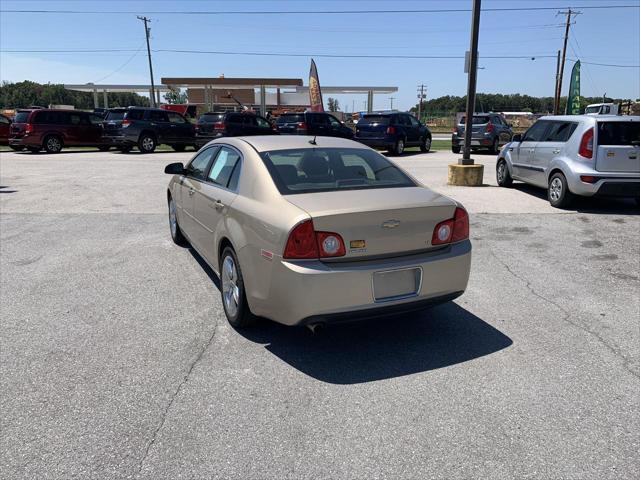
x=378 y=222
x=373 y=126
x=618 y=146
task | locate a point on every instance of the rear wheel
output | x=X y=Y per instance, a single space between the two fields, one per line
x=503 y=177
x=16 y=148
x=52 y=144
x=558 y=193
x=104 y=148
x=398 y=147
x=179 y=147
x=234 y=299
x=146 y=143
x=455 y=148
x=425 y=144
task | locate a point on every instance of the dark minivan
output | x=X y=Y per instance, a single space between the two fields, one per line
x=393 y=132
x=146 y=128
x=213 y=125
x=312 y=123
x=52 y=130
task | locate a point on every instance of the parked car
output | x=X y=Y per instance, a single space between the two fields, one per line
x=587 y=155
x=146 y=128
x=312 y=123
x=232 y=124
x=305 y=231
x=53 y=130
x=5 y=123
x=489 y=131
x=393 y=132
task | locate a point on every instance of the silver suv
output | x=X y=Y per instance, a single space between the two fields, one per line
x=583 y=155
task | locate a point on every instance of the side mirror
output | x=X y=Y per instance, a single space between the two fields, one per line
x=175 y=169
x=517 y=137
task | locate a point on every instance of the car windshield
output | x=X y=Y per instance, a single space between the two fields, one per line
x=477 y=119
x=380 y=119
x=618 y=133
x=21 y=117
x=114 y=115
x=211 y=117
x=290 y=118
x=594 y=109
x=308 y=170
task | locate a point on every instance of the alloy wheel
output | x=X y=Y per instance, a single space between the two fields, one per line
x=173 y=220
x=555 y=189
x=230 y=289
x=400 y=147
x=148 y=144
x=501 y=171
x=53 y=144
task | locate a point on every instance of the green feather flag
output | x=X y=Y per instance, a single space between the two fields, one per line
x=573 y=102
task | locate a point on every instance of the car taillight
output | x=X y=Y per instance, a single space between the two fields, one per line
x=274 y=127
x=453 y=230
x=586 y=144
x=218 y=126
x=490 y=128
x=301 y=126
x=28 y=128
x=305 y=243
x=126 y=123
x=588 y=178
x=391 y=130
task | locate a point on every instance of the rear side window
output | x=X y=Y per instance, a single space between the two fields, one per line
x=176 y=117
x=560 y=131
x=223 y=168
x=262 y=122
x=209 y=118
x=308 y=170
x=379 y=119
x=234 y=118
x=319 y=120
x=95 y=119
x=22 y=117
x=51 y=118
x=135 y=114
x=3 y=119
x=290 y=118
x=200 y=163
x=158 y=116
x=618 y=133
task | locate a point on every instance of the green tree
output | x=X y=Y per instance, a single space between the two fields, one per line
x=333 y=104
x=175 y=96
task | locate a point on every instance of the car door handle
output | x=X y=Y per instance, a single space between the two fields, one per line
x=191 y=191
x=219 y=205
x=556 y=151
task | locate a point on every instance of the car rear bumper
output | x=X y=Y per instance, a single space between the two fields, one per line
x=202 y=140
x=476 y=141
x=119 y=140
x=619 y=189
x=302 y=292
x=605 y=185
x=376 y=142
x=25 y=141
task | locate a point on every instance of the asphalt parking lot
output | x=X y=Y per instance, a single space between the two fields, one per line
x=117 y=361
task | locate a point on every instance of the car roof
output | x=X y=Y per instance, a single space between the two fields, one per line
x=577 y=118
x=263 y=143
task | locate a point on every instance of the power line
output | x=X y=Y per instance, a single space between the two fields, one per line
x=121 y=66
x=308 y=12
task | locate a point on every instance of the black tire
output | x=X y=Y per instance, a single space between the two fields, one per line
x=495 y=147
x=104 y=148
x=240 y=316
x=126 y=149
x=558 y=192
x=455 y=148
x=147 y=143
x=52 y=144
x=503 y=177
x=179 y=147
x=398 y=148
x=425 y=144
x=174 y=227
x=17 y=148
x=34 y=149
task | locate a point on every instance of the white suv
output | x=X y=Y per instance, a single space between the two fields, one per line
x=583 y=155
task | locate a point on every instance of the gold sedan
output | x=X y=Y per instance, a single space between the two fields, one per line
x=305 y=230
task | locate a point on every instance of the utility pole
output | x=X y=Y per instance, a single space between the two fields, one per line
x=471 y=85
x=153 y=88
x=568 y=13
x=555 y=92
x=391 y=100
x=421 y=97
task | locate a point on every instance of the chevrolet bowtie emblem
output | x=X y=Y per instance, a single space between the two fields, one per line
x=390 y=224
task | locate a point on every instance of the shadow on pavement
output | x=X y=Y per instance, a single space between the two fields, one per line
x=3 y=187
x=382 y=348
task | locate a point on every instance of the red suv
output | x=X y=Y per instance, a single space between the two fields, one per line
x=52 y=130
x=4 y=129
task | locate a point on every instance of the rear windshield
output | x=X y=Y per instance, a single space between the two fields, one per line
x=114 y=115
x=308 y=170
x=595 y=109
x=618 y=133
x=21 y=117
x=290 y=118
x=211 y=117
x=380 y=119
x=477 y=119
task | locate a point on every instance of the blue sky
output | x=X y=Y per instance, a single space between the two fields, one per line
x=600 y=36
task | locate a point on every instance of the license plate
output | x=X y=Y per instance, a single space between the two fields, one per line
x=396 y=284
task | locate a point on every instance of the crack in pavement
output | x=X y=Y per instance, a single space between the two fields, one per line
x=176 y=393
x=626 y=363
